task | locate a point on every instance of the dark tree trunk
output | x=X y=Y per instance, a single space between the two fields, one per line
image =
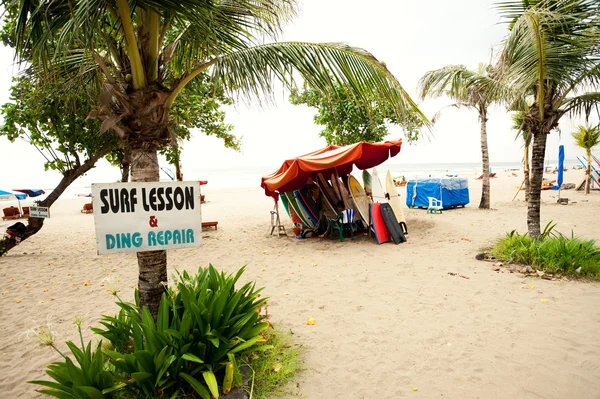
x=485 y=161
x=125 y=165
x=588 y=173
x=35 y=224
x=535 y=189
x=152 y=264
x=526 y=176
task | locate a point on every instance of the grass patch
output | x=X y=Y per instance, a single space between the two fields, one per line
x=274 y=368
x=555 y=253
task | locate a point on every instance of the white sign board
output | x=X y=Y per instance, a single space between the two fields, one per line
x=137 y=217
x=39 y=212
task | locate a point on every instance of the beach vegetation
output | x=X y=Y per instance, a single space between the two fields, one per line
x=205 y=330
x=587 y=137
x=272 y=370
x=347 y=122
x=145 y=57
x=551 y=253
x=476 y=89
x=550 y=59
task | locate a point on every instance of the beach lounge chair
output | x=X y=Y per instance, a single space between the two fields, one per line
x=209 y=224
x=435 y=205
x=88 y=208
x=11 y=212
x=342 y=222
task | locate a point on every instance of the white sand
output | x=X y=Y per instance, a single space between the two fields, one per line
x=388 y=318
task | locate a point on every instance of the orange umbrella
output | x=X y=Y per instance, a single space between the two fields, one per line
x=294 y=173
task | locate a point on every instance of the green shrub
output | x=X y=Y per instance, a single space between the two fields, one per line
x=554 y=253
x=203 y=327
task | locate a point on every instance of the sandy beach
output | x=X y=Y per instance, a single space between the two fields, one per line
x=392 y=321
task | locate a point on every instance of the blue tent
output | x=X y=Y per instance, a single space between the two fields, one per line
x=451 y=191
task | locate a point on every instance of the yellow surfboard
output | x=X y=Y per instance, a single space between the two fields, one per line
x=394 y=198
x=359 y=197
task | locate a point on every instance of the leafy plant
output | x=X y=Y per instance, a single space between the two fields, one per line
x=203 y=329
x=554 y=253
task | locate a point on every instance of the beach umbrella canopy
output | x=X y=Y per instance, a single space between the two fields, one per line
x=8 y=195
x=31 y=192
x=295 y=172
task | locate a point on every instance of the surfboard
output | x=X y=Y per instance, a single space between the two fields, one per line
x=381 y=232
x=297 y=209
x=389 y=218
x=305 y=209
x=367 y=181
x=284 y=201
x=310 y=203
x=359 y=197
x=331 y=199
x=395 y=201
x=377 y=188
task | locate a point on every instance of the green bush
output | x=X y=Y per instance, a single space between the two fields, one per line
x=554 y=253
x=204 y=326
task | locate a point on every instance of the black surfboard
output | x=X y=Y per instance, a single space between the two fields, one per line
x=392 y=224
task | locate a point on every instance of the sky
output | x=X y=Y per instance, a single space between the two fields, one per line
x=409 y=36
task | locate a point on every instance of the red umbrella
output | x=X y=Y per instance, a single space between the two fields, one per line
x=294 y=173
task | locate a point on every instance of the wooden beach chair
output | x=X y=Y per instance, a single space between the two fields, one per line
x=11 y=212
x=210 y=224
x=88 y=208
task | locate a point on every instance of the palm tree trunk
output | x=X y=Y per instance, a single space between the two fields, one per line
x=152 y=264
x=526 y=171
x=485 y=160
x=588 y=174
x=535 y=189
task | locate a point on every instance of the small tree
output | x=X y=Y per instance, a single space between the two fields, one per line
x=474 y=89
x=348 y=122
x=587 y=138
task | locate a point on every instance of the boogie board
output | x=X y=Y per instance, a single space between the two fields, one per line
x=367 y=182
x=389 y=218
x=360 y=199
x=395 y=201
x=305 y=209
x=381 y=232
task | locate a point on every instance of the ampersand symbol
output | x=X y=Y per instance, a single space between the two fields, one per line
x=153 y=222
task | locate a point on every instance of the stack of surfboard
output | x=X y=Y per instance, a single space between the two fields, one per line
x=386 y=214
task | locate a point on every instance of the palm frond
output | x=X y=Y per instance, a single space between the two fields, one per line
x=583 y=105
x=587 y=137
x=252 y=73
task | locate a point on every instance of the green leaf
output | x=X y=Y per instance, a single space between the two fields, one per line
x=192 y=358
x=57 y=394
x=211 y=381
x=196 y=385
x=93 y=392
x=140 y=376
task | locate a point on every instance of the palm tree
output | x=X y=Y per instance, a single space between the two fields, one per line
x=474 y=89
x=550 y=57
x=147 y=54
x=587 y=138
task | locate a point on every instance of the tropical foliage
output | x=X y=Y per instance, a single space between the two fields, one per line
x=348 y=122
x=587 y=138
x=555 y=253
x=204 y=330
x=145 y=54
x=550 y=59
x=473 y=89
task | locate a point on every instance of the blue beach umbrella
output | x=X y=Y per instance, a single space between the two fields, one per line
x=8 y=195
x=561 y=167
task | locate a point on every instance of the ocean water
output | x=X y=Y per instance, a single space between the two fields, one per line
x=250 y=177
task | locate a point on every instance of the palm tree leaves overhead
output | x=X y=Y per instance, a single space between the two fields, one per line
x=550 y=47
x=253 y=72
